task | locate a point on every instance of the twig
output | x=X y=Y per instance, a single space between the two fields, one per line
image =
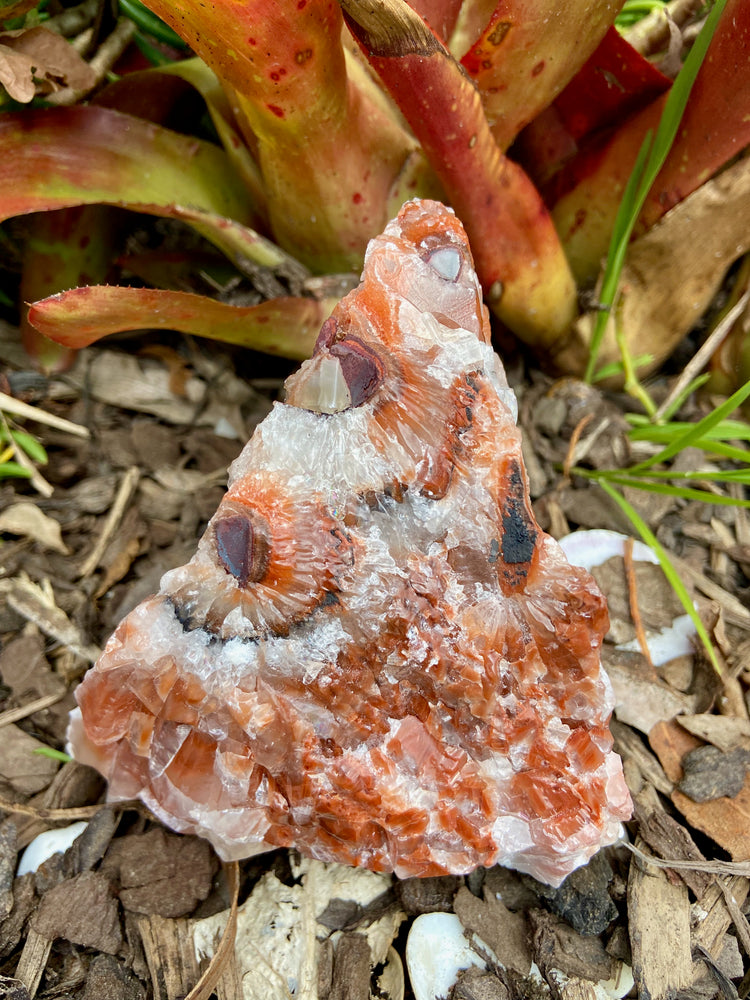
x=205 y=985
x=101 y=63
x=574 y=437
x=712 y=867
x=701 y=356
x=10 y=405
x=121 y=501
x=635 y=611
x=49 y=815
x=738 y=917
x=23 y=711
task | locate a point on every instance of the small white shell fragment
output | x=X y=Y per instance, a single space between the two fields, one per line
x=588 y=549
x=669 y=642
x=436 y=951
x=50 y=842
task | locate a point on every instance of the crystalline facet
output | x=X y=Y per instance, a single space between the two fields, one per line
x=375 y=655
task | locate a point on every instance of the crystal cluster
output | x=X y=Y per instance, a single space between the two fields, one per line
x=375 y=656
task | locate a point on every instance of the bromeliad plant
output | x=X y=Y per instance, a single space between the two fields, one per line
x=526 y=115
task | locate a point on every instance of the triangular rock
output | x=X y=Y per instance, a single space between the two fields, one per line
x=376 y=655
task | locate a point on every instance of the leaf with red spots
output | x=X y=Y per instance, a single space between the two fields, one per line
x=330 y=151
x=63 y=157
x=518 y=255
x=528 y=52
x=76 y=318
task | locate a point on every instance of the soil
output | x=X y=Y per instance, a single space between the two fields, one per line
x=115 y=915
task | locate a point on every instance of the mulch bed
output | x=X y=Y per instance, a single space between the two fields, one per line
x=116 y=916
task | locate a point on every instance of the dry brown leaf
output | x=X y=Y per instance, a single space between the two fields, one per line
x=28 y=520
x=38 y=61
x=725 y=820
x=673 y=272
x=10 y=10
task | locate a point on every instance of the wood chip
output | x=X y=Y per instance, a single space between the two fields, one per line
x=27 y=519
x=659 y=921
x=33 y=960
x=506 y=933
x=639 y=701
x=82 y=910
x=37 y=605
x=351 y=968
x=668 y=839
x=630 y=746
x=170 y=956
x=24 y=770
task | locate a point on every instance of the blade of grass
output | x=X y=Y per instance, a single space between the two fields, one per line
x=616 y=367
x=649 y=162
x=683 y=395
x=707 y=475
x=694 y=433
x=667 y=568
x=726 y=430
x=664 y=489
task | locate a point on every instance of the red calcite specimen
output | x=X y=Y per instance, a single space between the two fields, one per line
x=375 y=655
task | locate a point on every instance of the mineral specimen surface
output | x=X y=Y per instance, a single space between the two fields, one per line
x=375 y=655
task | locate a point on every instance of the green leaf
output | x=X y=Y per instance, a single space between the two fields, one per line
x=12 y=470
x=53 y=754
x=31 y=446
x=667 y=568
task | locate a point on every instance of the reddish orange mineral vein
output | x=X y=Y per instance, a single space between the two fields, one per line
x=375 y=655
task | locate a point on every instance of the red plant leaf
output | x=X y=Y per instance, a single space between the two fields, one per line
x=714 y=128
x=76 y=318
x=528 y=52
x=329 y=150
x=67 y=247
x=613 y=83
x=441 y=15
x=63 y=157
x=518 y=255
